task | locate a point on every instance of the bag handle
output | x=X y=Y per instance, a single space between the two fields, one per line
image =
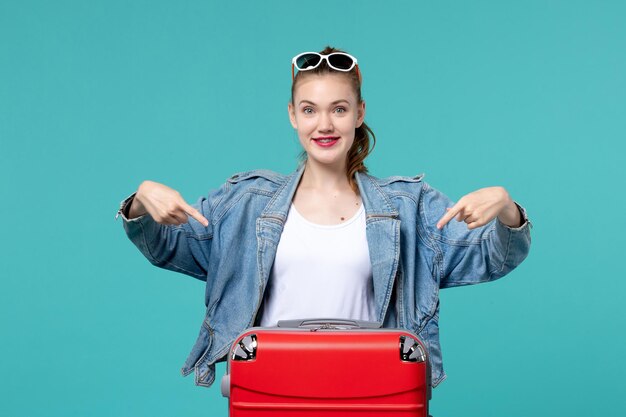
x=329 y=323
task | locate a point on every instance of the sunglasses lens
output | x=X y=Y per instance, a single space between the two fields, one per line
x=307 y=60
x=341 y=61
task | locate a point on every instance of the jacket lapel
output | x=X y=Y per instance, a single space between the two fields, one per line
x=269 y=225
x=383 y=239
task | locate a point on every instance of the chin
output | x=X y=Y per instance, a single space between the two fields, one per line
x=327 y=161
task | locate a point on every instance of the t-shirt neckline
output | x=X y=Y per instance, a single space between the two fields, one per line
x=328 y=226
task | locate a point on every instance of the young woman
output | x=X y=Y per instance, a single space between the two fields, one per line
x=328 y=240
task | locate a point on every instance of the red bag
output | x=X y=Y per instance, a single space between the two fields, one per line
x=327 y=367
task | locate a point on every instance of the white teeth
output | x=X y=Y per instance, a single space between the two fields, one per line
x=325 y=140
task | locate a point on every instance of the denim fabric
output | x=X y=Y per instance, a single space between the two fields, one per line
x=411 y=258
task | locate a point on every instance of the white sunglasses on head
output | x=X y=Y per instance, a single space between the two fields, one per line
x=339 y=61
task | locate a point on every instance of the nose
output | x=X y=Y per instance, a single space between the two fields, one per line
x=325 y=123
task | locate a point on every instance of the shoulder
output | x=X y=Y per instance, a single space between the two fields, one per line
x=398 y=191
x=258 y=185
x=263 y=178
x=398 y=182
x=257 y=182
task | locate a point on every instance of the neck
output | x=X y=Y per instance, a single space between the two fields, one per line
x=324 y=178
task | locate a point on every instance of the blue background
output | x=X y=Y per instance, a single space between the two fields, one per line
x=96 y=96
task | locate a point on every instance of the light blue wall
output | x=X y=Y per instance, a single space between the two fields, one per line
x=97 y=96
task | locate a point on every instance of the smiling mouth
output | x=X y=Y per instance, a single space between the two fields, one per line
x=327 y=139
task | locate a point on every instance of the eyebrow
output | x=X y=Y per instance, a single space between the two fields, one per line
x=334 y=102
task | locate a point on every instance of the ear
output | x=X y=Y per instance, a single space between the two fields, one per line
x=292 y=115
x=360 y=114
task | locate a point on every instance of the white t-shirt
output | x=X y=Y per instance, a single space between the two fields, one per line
x=320 y=271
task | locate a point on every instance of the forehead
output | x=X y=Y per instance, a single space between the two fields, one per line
x=324 y=88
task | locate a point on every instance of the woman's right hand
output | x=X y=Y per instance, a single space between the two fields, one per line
x=164 y=204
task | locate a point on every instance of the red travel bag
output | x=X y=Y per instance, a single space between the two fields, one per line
x=327 y=367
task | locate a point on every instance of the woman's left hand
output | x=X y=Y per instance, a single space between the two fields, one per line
x=482 y=206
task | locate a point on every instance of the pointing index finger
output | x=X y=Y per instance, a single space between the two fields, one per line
x=449 y=215
x=195 y=214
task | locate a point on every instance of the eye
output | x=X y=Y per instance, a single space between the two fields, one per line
x=340 y=109
x=307 y=110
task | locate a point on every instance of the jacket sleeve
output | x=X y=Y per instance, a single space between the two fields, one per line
x=473 y=256
x=181 y=248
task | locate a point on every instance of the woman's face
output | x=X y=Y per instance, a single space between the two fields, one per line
x=325 y=113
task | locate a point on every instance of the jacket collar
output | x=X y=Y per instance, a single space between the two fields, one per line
x=375 y=201
x=279 y=205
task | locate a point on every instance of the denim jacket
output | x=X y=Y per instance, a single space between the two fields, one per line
x=411 y=259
